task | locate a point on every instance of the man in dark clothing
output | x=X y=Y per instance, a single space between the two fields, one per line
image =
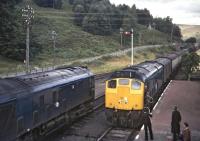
x=175 y=123
x=147 y=125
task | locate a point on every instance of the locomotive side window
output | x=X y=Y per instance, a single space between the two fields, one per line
x=136 y=85
x=6 y=113
x=112 y=84
x=55 y=97
x=42 y=100
x=35 y=117
x=123 y=81
x=20 y=124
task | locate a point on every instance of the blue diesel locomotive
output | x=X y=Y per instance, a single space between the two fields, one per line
x=34 y=105
x=133 y=89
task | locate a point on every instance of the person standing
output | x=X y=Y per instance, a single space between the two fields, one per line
x=147 y=125
x=186 y=132
x=175 y=123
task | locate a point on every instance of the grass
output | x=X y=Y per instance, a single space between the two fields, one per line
x=190 y=31
x=109 y=64
x=72 y=42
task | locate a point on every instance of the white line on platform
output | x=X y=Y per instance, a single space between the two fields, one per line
x=162 y=95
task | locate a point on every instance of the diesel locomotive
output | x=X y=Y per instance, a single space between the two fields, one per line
x=131 y=90
x=34 y=105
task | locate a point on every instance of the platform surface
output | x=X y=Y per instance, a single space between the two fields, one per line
x=184 y=94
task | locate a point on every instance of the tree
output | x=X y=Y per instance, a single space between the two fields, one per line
x=191 y=40
x=12 y=37
x=57 y=4
x=144 y=16
x=177 y=31
x=79 y=14
x=99 y=22
x=129 y=16
x=190 y=63
x=9 y=28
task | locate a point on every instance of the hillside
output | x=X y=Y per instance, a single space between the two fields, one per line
x=190 y=31
x=72 y=42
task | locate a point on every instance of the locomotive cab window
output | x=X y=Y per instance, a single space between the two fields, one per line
x=136 y=85
x=123 y=81
x=112 y=84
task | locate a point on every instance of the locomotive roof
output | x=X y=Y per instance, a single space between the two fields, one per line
x=141 y=71
x=171 y=56
x=43 y=80
x=163 y=61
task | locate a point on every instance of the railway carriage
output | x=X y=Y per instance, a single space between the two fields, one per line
x=36 y=104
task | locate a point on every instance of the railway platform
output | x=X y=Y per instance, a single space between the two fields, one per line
x=184 y=94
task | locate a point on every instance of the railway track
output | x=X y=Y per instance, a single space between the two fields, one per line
x=119 y=134
x=84 y=120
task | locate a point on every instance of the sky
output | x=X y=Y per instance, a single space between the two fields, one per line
x=181 y=11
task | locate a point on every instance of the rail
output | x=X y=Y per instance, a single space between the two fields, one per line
x=120 y=134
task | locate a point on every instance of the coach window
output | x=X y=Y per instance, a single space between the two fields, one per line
x=112 y=84
x=136 y=85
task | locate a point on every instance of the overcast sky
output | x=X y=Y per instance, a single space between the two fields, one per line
x=182 y=11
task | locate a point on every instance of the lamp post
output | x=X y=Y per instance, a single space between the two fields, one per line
x=28 y=15
x=53 y=36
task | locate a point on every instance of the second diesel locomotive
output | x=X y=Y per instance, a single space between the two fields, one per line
x=34 y=105
x=131 y=90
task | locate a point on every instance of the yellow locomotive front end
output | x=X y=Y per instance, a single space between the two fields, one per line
x=124 y=94
x=124 y=97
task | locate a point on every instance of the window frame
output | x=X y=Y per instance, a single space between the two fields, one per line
x=132 y=82
x=109 y=84
x=123 y=84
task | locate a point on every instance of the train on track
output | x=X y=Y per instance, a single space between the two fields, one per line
x=34 y=105
x=132 y=90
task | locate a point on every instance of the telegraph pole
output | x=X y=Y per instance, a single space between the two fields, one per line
x=154 y=27
x=172 y=33
x=121 y=32
x=27 y=14
x=53 y=4
x=131 y=46
x=53 y=36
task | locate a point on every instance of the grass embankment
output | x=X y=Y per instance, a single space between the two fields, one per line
x=105 y=64
x=109 y=64
x=72 y=42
